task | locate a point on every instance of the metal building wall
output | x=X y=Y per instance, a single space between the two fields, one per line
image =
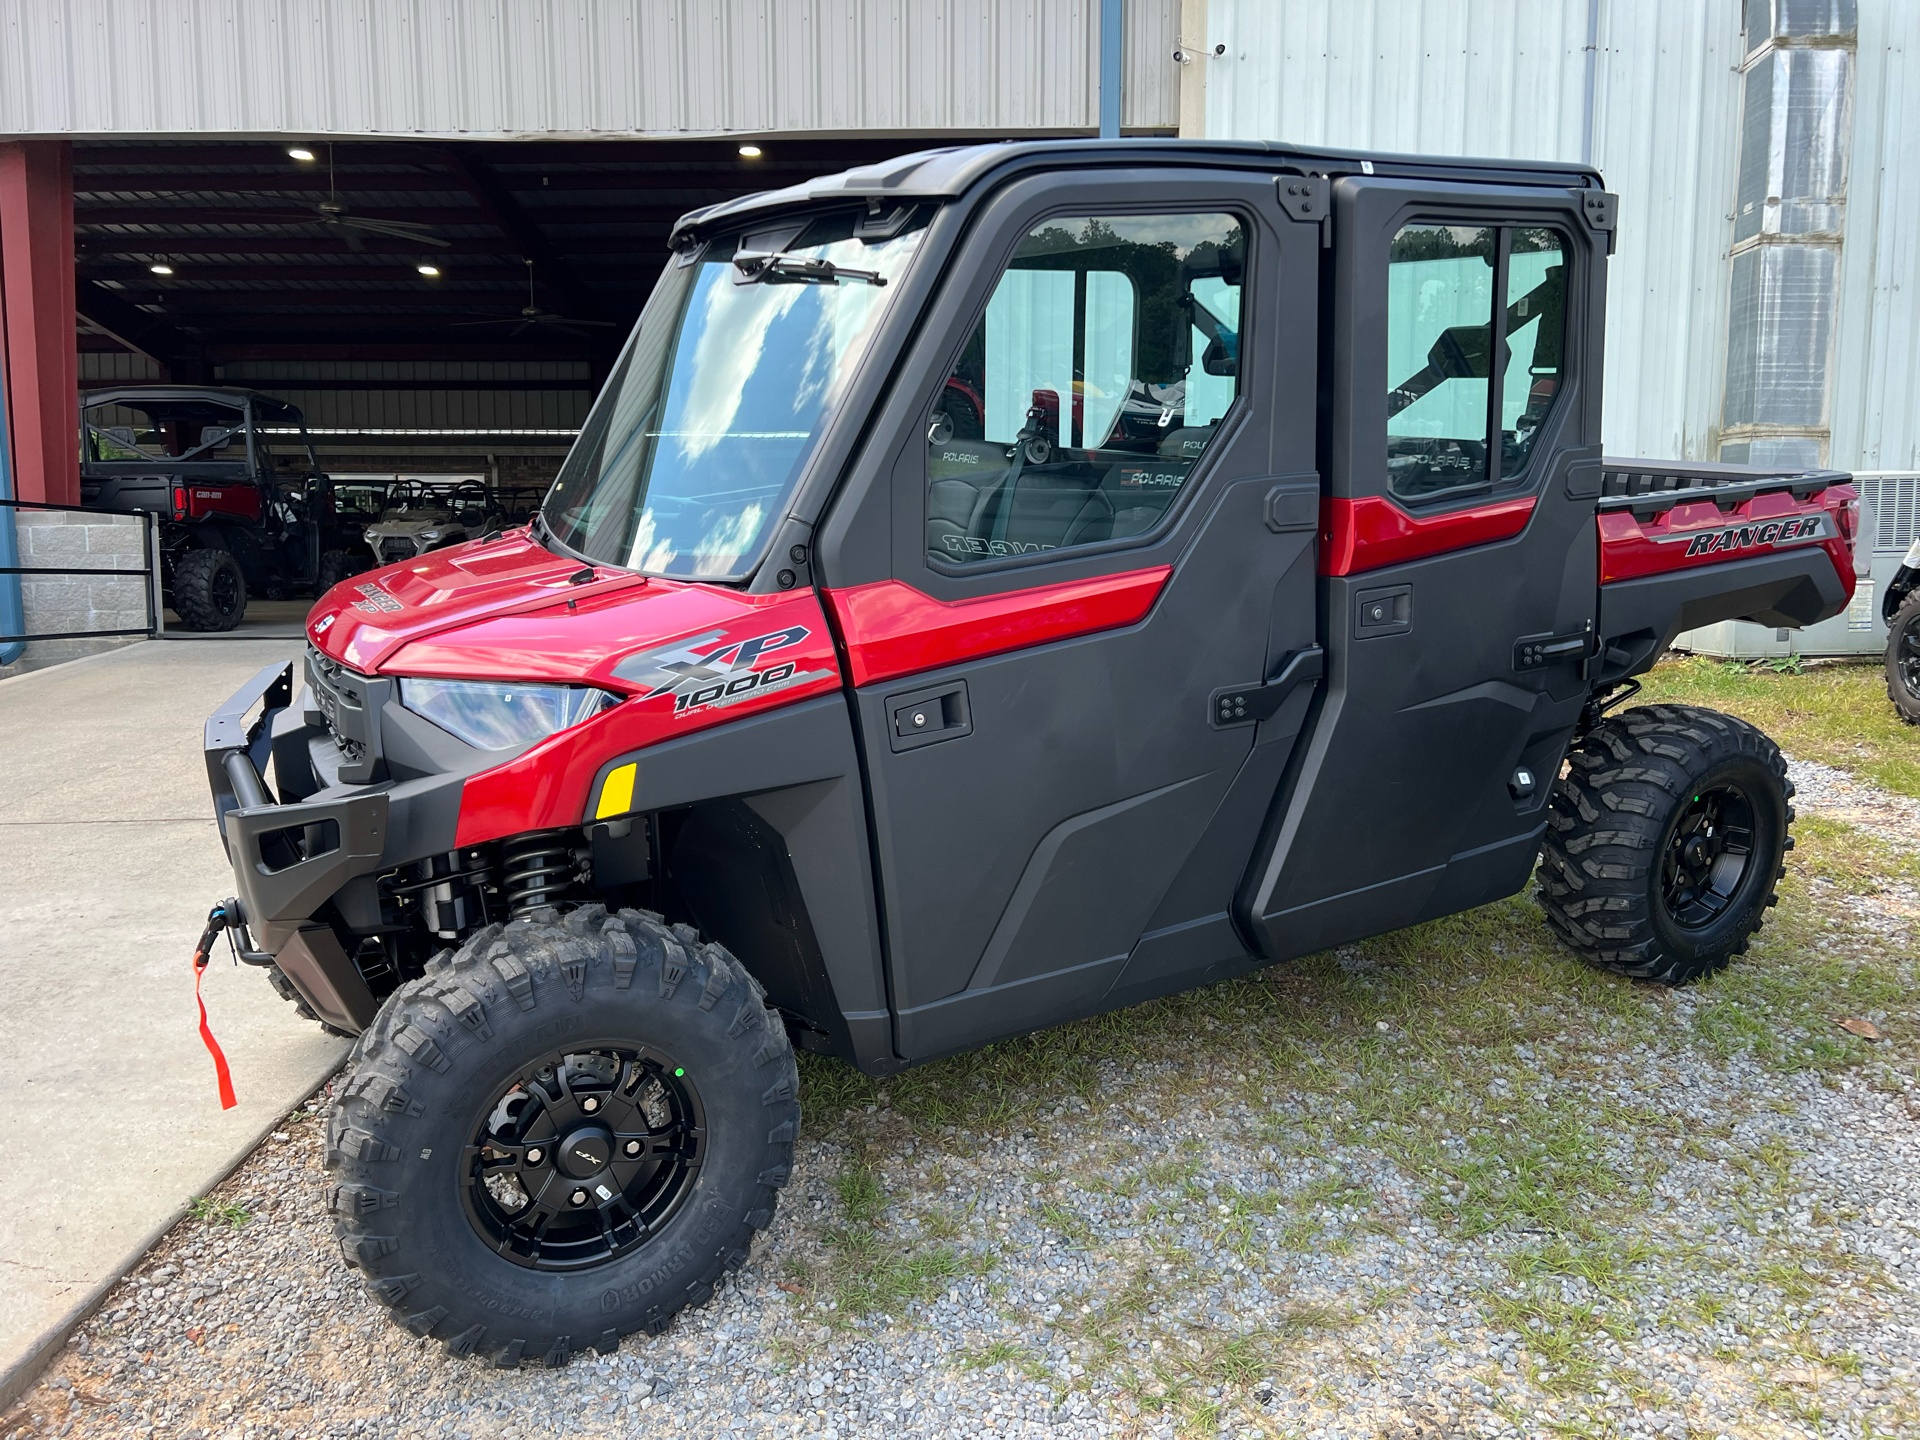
x=1507 y=78
x=1876 y=379
x=481 y=69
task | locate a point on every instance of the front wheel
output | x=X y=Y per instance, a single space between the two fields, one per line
x=1664 y=842
x=1903 y=660
x=566 y=1131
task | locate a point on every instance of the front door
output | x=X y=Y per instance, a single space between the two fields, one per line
x=1463 y=461
x=1103 y=509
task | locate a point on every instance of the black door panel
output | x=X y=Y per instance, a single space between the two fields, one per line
x=1091 y=771
x=1402 y=808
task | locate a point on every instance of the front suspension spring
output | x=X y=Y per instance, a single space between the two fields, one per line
x=537 y=870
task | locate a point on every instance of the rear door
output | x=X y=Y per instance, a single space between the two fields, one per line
x=1101 y=517
x=1458 y=557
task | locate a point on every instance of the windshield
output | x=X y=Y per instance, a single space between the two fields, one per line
x=692 y=448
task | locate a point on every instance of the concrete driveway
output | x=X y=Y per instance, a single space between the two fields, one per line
x=108 y=862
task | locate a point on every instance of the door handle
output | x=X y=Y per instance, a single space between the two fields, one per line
x=1249 y=704
x=924 y=717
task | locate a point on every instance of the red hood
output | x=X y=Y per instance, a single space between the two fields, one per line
x=506 y=609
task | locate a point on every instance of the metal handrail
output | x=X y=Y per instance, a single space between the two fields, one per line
x=150 y=572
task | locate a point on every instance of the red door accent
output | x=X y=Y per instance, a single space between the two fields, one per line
x=1371 y=531
x=892 y=629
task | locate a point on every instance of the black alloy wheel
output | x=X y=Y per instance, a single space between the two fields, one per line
x=209 y=592
x=1903 y=660
x=567 y=1130
x=1707 y=857
x=584 y=1156
x=1664 y=839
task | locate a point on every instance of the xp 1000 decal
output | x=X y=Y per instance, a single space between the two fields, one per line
x=711 y=670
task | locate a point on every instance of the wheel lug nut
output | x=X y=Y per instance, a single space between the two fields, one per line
x=534 y=1155
x=633 y=1147
x=579 y=1197
x=590 y=1104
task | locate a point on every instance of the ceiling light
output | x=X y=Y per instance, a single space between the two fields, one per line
x=430 y=271
x=162 y=268
x=301 y=153
x=750 y=152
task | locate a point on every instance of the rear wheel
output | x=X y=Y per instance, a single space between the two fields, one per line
x=1664 y=842
x=566 y=1131
x=335 y=566
x=209 y=590
x=1903 y=660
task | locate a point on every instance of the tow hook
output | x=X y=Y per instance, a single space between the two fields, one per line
x=223 y=916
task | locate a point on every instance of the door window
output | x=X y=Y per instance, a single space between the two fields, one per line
x=1104 y=363
x=1536 y=299
x=1447 y=344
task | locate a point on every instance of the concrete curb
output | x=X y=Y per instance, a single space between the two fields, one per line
x=60 y=667
x=19 y=1376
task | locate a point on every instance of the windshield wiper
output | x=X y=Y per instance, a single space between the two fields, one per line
x=798 y=270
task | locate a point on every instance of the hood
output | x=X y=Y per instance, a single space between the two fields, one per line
x=506 y=609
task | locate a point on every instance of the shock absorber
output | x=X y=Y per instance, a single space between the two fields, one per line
x=537 y=869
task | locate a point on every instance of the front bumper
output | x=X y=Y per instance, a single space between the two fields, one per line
x=323 y=844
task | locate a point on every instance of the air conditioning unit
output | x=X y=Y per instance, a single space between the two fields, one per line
x=1890 y=512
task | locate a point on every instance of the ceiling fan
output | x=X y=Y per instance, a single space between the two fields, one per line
x=532 y=315
x=331 y=213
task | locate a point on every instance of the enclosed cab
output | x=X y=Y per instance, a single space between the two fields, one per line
x=993 y=587
x=245 y=506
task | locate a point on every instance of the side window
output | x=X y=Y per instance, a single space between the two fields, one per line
x=1107 y=356
x=1536 y=318
x=1442 y=356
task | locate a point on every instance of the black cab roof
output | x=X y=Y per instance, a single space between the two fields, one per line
x=948 y=173
x=185 y=399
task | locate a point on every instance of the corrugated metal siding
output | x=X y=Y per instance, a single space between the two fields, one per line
x=1506 y=78
x=1666 y=138
x=569 y=67
x=1876 y=390
x=462 y=411
x=1498 y=77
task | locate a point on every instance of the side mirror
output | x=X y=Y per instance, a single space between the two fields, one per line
x=1216 y=361
x=1461 y=352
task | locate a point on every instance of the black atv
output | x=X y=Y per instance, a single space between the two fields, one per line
x=1901 y=610
x=238 y=519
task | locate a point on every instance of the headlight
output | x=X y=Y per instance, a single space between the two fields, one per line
x=373 y=538
x=499 y=715
x=431 y=535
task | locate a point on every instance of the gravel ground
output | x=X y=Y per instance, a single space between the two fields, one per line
x=1442 y=1184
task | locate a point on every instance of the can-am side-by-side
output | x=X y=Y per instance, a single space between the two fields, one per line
x=993 y=587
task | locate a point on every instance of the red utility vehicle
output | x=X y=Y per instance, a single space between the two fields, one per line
x=1267 y=591
x=245 y=507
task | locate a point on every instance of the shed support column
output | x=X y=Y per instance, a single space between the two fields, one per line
x=36 y=269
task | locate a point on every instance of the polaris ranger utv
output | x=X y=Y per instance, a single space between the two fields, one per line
x=1267 y=591
x=236 y=519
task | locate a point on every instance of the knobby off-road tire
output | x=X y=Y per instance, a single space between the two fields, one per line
x=335 y=566
x=284 y=988
x=209 y=590
x=427 y=1076
x=1664 y=842
x=1903 y=660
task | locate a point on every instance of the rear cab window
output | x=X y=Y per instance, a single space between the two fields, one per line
x=1469 y=380
x=1097 y=376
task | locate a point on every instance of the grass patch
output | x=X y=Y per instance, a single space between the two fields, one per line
x=868 y=1269
x=1836 y=714
x=219 y=1212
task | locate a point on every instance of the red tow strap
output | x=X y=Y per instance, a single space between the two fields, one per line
x=216 y=922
